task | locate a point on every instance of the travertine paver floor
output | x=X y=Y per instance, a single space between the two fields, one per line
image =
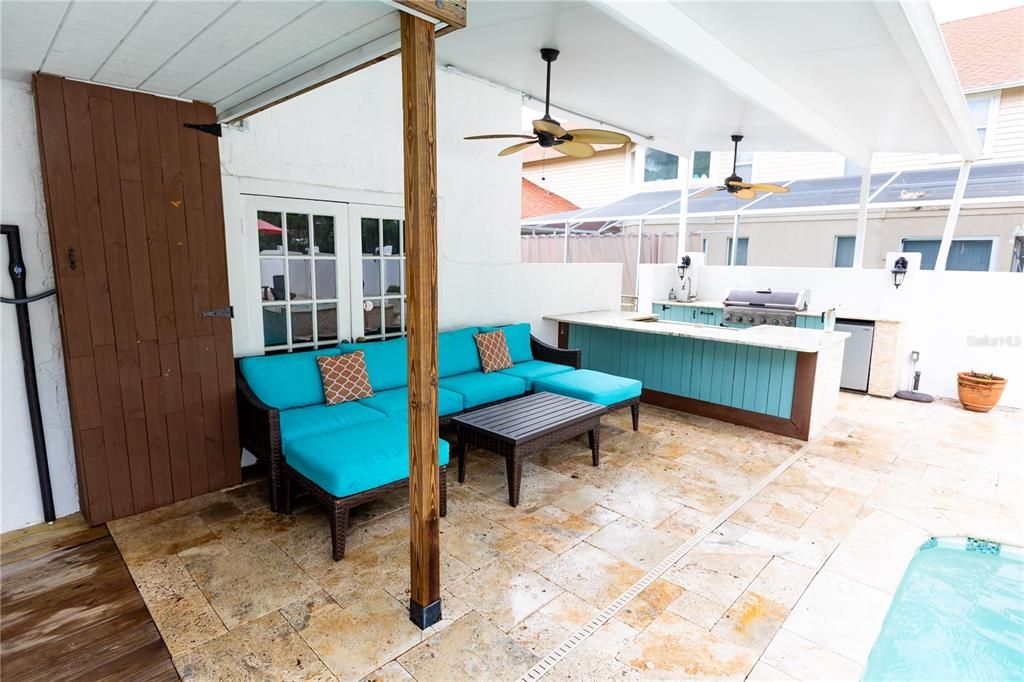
x=793 y=585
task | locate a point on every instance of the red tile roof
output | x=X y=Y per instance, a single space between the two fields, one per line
x=987 y=49
x=538 y=201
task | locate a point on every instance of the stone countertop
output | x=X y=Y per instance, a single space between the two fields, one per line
x=841 y=312
x=779 y=338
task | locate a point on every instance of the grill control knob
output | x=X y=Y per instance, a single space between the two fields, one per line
x=775 y=321
x=789 y=323
x=762 y=320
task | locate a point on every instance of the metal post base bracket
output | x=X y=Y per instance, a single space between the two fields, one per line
x=425 y=616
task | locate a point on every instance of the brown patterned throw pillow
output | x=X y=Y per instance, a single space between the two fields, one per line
x=493 y=350
x=344 y=377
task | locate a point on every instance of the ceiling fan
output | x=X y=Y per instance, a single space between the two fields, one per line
x=549 y=134
x=734 y=184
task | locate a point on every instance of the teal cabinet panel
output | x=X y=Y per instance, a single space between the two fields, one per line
x=744 y=377
x=809 y=322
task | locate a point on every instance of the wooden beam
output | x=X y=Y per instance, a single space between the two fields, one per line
x=419 y=127
x=451 y=12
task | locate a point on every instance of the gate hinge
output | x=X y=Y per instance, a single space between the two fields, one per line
x=228 y=311
x=208 y=128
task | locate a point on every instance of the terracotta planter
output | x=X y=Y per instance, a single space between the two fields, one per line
x=979 y=393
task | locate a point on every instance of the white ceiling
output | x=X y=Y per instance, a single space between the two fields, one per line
x=791 y=76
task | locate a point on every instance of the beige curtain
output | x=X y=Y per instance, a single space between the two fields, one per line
x=659 y=247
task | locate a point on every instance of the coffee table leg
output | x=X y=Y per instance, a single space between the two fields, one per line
x=460 y=451
x=514 y=474
x=595 y=445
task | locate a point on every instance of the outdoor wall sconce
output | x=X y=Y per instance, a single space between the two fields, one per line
x=899 y=271
x=684 y=263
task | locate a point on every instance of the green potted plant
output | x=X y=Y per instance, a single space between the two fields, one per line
x=979 y=392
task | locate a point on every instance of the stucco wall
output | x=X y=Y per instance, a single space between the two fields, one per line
x=21 y=203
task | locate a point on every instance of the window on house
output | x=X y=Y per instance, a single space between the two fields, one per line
x=843 y=257
x=741 y=251
x=383 y=267
x=659 y=165
x=704 y=246
x=701 y=165
x=298 y=278
x=981 y=108
x=964 y=254
x=745 y=165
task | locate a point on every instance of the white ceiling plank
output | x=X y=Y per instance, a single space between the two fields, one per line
x=676 y=32
x=361 y=55
x=88 y=35
x=325 y=32
x=235 y=31
x=160 y=34
x=28 y=30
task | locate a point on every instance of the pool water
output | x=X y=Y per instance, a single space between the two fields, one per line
x=958 y=615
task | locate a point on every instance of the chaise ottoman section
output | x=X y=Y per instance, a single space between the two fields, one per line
x=595 y=387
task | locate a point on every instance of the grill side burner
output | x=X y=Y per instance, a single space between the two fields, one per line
x=764 y=306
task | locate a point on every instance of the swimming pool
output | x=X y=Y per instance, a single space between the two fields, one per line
x=958 y=615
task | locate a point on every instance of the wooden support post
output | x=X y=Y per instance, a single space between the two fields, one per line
x=421 y=317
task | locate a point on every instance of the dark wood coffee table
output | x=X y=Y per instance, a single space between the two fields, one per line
x=516 y=428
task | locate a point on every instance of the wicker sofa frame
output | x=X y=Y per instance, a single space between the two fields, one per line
x=338 y=507
x=259 y=424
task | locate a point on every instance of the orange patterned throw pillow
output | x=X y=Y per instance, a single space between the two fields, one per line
x=493 y=350
x=344 y=377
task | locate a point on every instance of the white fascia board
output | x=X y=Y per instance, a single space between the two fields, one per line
x=674 y=31
x=914 y=29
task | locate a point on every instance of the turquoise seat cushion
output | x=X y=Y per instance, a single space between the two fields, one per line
x=531 y=370
x=478 y=388
x=594 y=387
x=286 y=380
x=395 y=403
x=456 y=352
x=299 y=422
x=356 y=459
x=385 y=362
x=517 y=336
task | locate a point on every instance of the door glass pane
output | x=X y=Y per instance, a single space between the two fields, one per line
x=298 y=234
x=323 y=235
x=392 y=276
x=274 y=330
x=302 y=323
x=371 y=317
x=392 y=246
x=300 y=278
x=268 y=226
x=327 y=321
x=370 y=236
x=272 y=279
x=371 y=277
x=392 y=315
x=326 y=278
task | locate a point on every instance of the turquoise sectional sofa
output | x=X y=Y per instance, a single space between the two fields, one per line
x=349 y=453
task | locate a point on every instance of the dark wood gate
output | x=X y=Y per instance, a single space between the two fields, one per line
x=134 y=205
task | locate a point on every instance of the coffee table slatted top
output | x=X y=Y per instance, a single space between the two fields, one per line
x=527 y=418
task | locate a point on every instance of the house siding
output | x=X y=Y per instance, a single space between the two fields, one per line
x=1008 y=143
x=585 y=182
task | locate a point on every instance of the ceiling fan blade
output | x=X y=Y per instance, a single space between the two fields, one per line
x=515 y=148
x=736 y=183
x=580 y=150
x=497 y=137
x=707 y=192
x=769 y=188
x=595 y=136
x=746 y=193
x=549 y=127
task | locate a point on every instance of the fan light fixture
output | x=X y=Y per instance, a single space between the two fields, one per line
x=548 y=133
x=734 y=184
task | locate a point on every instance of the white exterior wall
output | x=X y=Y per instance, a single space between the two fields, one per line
x=596 y=181
x=21 y=203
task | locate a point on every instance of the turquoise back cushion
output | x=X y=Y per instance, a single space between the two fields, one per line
x=385 y=362
x=286 y=380
x=517 y=336
x=456 y=352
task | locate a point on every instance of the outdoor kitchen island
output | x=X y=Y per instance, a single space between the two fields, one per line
x=779 y=379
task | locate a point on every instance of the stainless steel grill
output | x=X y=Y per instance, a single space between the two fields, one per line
x=765 y=306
